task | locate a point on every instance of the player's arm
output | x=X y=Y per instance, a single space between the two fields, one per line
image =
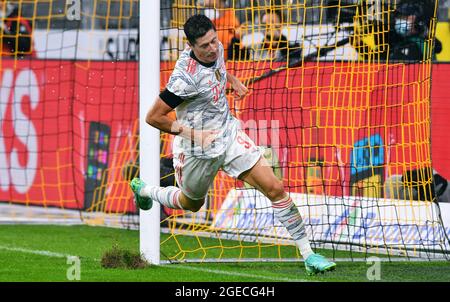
x=158 y=116
x=240 y=90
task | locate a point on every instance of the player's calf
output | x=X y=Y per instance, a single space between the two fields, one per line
x=275 y=191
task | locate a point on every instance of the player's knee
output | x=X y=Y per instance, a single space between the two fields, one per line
x=276 y=191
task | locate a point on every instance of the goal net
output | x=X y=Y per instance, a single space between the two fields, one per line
x=343 y=112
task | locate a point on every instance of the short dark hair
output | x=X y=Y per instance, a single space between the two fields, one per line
x=196 y=27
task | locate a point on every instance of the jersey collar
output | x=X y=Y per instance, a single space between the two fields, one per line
x=201 y=63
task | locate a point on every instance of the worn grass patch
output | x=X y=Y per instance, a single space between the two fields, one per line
x=118 y=257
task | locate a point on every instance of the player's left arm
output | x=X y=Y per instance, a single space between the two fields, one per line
x=239 y=89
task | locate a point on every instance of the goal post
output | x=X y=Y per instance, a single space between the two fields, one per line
x=149 y=137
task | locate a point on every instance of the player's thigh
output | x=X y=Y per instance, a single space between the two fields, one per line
x=194 y=176
x=241 y=155
x=261 y=176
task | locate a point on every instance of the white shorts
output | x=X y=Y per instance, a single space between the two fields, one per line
x=195 y=176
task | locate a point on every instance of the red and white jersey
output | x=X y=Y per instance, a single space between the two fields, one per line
x=205 y=105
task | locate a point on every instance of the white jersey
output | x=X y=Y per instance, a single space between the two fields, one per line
x=205 y=105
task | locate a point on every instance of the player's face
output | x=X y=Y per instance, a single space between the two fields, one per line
x=206 y=48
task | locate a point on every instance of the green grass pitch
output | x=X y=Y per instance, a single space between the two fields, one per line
x=39 y=253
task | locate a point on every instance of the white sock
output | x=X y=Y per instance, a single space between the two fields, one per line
x=166 y=196
x=304 y=247
x=288 y=214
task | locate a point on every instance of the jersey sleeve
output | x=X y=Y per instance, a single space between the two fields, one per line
x=182 y=85
x=180 y=88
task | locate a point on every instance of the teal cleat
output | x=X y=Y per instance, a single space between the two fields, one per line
x=143 y=203
x=316 y=263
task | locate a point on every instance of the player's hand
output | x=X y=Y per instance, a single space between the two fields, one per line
x=240 y=91
x=205 y=138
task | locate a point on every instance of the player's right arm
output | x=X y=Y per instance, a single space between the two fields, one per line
x=159 y=117
x=181 y=87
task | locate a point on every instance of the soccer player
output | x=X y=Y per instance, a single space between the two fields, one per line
x=209 y=138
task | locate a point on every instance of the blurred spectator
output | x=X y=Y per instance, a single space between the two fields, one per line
x=400 y=34
x=274 y=46
x=408 y=39
x=372 y=28
x=16 y=31
x=421 y=184
x=224 y=20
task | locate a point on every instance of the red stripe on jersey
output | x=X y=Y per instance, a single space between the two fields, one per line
x=192 y=66
x=178 y=174
x=179 y=168
x=189 y=66
x=176 y=200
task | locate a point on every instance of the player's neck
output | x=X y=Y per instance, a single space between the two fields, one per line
x=192 y=54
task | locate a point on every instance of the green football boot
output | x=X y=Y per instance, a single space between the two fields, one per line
x=316 y=263
x=143 y=203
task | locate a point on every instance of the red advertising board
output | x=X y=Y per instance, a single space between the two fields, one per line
x=49 y=109
x=440 y=122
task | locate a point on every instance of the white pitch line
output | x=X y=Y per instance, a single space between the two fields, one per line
x=231 y=273
x=35 y=252
x=206 y=270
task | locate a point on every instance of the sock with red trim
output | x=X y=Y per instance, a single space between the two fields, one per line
x=166 y=196
x=288 y=214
